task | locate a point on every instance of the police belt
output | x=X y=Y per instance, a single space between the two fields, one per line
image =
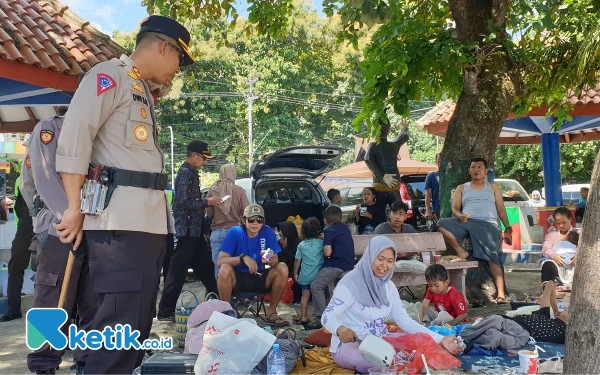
x=145 y=180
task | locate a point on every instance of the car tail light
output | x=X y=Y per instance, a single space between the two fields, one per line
x=409 y=214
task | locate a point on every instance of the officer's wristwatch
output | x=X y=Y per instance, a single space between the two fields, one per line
x=242 y=257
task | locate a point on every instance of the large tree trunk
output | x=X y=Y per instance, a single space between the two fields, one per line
x=583 y=332
x=490 y=87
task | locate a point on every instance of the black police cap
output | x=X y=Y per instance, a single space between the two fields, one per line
x=172 y=29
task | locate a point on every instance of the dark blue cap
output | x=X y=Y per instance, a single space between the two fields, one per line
x=172 y=29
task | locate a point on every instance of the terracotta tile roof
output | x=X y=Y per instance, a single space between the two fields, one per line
x=46 y=34
x=442 y=113
x=588 y=96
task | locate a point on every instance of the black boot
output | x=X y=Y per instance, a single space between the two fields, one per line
x=9 y=317
x=79 y=368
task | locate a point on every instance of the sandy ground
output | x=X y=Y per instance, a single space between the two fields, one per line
x=520 y=279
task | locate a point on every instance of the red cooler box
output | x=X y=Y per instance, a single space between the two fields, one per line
x=542 y=215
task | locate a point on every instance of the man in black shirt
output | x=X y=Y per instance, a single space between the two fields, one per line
x=190 y=228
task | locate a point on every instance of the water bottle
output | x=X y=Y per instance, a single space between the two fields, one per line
x=276 y=362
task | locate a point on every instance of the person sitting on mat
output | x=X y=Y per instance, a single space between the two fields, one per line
x=361 y=304
x=559 y=244
x=450 y=304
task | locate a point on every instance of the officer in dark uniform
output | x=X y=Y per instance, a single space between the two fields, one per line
x=52 y=258
x=109 y=151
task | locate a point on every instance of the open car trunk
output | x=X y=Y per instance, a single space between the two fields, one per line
x=282 y=198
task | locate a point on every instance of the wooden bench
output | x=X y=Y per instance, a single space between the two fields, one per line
x=428 y=242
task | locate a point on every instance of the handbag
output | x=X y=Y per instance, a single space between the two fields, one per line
x=182 y=315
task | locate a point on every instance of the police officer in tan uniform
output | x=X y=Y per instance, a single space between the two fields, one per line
x=52 y=258
x=110 y=131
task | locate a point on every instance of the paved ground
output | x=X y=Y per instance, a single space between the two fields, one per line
x=521 y=279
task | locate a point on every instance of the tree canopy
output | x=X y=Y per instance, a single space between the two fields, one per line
x=416 y=50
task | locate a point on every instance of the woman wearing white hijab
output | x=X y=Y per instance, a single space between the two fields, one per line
x=536 y=199
x=362 y=302
x=230 y=213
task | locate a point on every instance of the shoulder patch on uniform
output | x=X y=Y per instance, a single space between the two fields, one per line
x=46 y=136
x=132 y=75
x=144 y=113
x=141 y=133
x=138 y=88
x=105 y=83
x=28 y=161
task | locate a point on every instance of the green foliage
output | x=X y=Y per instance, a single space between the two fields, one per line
x=549 y=52
x=125 y=40
x=412 y=57
x=524 y=163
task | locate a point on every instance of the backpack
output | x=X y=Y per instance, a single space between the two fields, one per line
x=291 y=351
x=196 y=324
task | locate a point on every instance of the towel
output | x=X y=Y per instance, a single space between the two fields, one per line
x=319 y=361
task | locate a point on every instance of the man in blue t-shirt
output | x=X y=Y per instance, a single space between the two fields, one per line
x=241 y=266
x=338 y=249
x=432 y=194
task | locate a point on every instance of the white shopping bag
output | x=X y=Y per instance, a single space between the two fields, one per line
x=232 y=346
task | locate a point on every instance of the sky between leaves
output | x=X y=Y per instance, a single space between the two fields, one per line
x=125 y=15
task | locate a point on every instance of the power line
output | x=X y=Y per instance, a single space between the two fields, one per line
x=287 y=90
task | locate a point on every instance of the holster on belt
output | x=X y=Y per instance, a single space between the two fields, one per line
x=102 y=181
x=38 y=205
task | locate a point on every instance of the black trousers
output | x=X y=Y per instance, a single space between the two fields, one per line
x=167 y=260
x=49 y=277
x=189 y=251
x=125 y=268
x=18 y=263
x=550 y=272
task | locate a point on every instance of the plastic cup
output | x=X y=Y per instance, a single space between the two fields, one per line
x=528 y=361
x=377 y=371
x=437 y=258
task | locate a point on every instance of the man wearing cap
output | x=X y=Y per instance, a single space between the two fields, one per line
x=110 y=132
x=190 y=227
x=242 y=262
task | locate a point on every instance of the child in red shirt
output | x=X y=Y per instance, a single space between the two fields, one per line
x=449 y=304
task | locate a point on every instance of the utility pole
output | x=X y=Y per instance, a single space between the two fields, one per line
x=251 y=98
x=172 y=160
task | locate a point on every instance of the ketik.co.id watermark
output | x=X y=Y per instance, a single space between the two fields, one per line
x=43 y=326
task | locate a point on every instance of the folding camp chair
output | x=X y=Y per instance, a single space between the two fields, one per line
x=250 y=302
x=407 y=290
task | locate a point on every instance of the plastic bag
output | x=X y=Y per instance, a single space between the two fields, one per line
x=223 y=338
x=288 y=293
x=437 y=357
x=297 y=220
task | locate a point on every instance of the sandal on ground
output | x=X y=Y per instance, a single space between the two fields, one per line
x=502 y=301
x=313 y=325
x=277 y=322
